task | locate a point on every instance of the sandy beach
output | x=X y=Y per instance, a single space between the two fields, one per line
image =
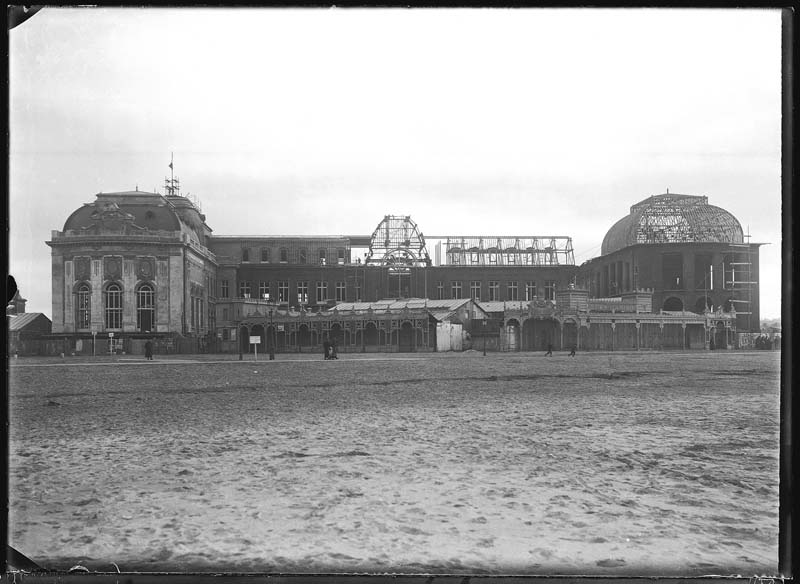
x=608 y=463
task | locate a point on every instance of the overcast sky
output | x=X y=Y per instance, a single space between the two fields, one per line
x=474 y=122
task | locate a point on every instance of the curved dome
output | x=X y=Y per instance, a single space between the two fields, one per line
x=143 y=211
x=148 y=210
x=673 y=218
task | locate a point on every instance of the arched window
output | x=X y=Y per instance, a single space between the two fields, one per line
x=113 y=302
x=145 y=308
x=83 y=306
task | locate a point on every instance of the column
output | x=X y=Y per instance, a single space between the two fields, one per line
x=69 y=298
x=128 y=295
x=98 y=314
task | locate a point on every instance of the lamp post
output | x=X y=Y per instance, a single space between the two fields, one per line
x=239 y=338
x=484 y=337
x=271 y=337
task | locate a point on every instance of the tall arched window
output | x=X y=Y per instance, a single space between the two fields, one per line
x=113 y=301
x=145 y=308
x=83 y=306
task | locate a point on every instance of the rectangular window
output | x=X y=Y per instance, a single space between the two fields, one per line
x=492 y=258
x=145 y=308
x=513 y=291
x=322 y=257
x=284 y=255
x=672 y=271
x=224 y=290
x=263 y=290
x=475 y=290
x=283 y=291
x=703 y=272
x=549 y=289
x=265 y=254
x=341 y=292
x=226 y=334
x=358 y=291
x=455 y=290
x=244 y=289
x=440 y=290
x=340 y=257
x=302 y=292
x=511 y=258
x=322 y=292
x=84 y=307
x=113 y=307
x=530 y=291
x=474 y=258
x=301 y=256
x=225 y=314
x=494 y=291
x=245 y=255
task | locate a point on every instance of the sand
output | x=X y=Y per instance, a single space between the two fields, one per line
x=608 y=463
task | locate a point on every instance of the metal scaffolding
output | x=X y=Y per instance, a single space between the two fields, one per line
x=684 y=218
x=397 y=243
x=509 y=251
x=740 y=279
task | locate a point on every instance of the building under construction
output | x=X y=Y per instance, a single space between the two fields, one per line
x=674 y=273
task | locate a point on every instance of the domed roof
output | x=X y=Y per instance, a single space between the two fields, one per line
x=142 y=211
x=672 y=218
x=148 y=210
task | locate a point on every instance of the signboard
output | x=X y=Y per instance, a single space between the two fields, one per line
x=255 y=340
x=280 y=328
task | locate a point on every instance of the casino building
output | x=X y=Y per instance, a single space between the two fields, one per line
x=676 y=272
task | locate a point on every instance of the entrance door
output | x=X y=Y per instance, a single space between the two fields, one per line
x=406 y=338
x=146 y=317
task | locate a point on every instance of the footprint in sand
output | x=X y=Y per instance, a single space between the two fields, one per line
x=611 y=563
x=338 y=556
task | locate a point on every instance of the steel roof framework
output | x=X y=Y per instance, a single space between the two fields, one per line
x=509 y=251
x=683 y=218
x=397 y=242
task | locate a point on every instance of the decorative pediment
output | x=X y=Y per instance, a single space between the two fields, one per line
x=145 y=268
x=83 y=268
x=107 y=217
x=112 y=268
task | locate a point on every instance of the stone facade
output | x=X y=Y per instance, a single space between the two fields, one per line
x=133 y=265
x=128 y=264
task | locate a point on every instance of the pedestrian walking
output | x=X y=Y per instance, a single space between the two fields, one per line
x=572 y=352
x=148 y=350
x=326 y=346
x=549 y=350
x=334 y=349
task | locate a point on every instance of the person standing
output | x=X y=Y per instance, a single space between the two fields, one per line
x=148 y=350
x=572 y=352
x=549 y=350
x=326 y=347
x=334 y=349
